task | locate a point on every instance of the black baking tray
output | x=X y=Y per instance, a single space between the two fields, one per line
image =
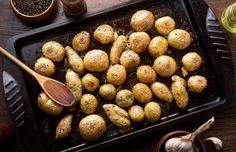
x=36 y=130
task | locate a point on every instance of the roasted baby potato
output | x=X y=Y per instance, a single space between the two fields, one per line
x=108 y=91
x=152 y=111
x=179 y=39
x=139 y=41
x=90 y=82
x=116 y=74
x=142 y=20
x=44 y=66
x=88 y=104
x=136 y=113
x=146 y=74
x=117 y=115
x=165 y=66
x=92 y=127
x=179 y=92
x=48 y=106
x=96 y=60
x=81 y=41
x=64 y=127
x=158 y=46
x=142 y=93
x=165 y=25
x=197 y=83
x=73 y=81
x=191 y=61
x=129 y=59
x=104 y=34
x=117 y=48
x=161 y=91
x=124 y=98
x=75 y=61
x=54 y=51
x=176 y=78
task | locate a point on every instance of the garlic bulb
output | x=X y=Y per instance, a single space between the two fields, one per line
x=216 y=141
x=185 y=143
x=179 y=145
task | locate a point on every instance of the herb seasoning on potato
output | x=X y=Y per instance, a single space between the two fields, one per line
x=54 y=51
x=88 y=104
x=90 y=82
x=142 y=93
x=92 y=127
x=75 y=61
x=117 y=48
x=81 y=41
x=180 y=94
x=64 y=127
x=108 y=91
x=48 y=106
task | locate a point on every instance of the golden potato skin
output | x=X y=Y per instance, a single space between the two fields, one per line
x=179 y=93
x=74 y=83
x=90 y=82
x=146 y=74
x=104 y=34
x=161 y=91
x=152 y=111
x=92 y=127
x=165 y=25
x=158 y=46
x=44 y=66
x=81 y=41
x=75 y=61
x=108 y=91
x=96 y=61
x=124 y=98
x=64 y=127
x=117 y=115
x=139 y=41
x=129 y=59
x=191 y=61
x=117 y=48
x=136 y=113
x=48 y=106
x=176 y=78
x=142 y=93
x=179 y=39
x=54 y=51
x=165 y=66
x=116 y=74
x=88 y=104
x=197 y=83
x=142 y=20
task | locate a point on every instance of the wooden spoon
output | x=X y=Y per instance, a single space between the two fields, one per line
x=56 y=90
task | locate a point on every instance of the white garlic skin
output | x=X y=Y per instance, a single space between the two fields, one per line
x=179 y=145
x=216 y=141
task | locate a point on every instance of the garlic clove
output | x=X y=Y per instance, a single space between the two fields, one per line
x=216 y=141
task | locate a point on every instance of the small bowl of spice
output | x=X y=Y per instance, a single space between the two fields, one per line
x=33 y=10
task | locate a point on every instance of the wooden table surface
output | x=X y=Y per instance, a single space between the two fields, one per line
x=224 y=127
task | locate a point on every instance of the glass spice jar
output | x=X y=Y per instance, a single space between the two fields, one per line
x=228 y=18
x=74 y=7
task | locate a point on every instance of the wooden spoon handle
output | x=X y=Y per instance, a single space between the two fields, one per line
x=18 y=62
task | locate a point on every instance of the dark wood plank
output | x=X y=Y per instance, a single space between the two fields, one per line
x=225 y=115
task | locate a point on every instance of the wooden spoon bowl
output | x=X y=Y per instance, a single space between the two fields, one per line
x=56 y=90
